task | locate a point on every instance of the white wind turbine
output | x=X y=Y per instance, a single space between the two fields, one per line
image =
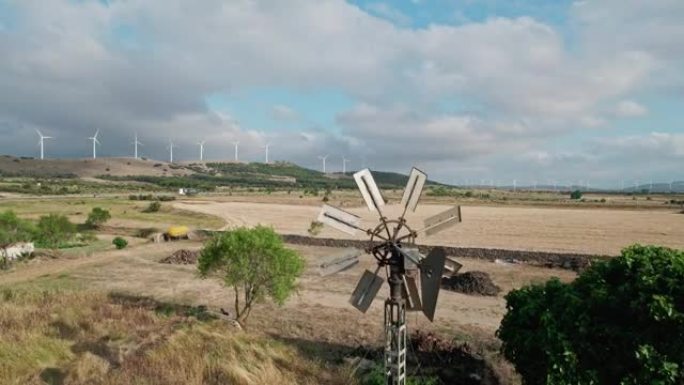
x=266 y=147
x=344 y=165
x=42 y=144
x=95 y=143
x=201 y=144
x=236 y=143
x=136 y=143
x=171 y=146
x=323 y=158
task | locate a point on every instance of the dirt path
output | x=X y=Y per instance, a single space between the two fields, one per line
x=590 y=231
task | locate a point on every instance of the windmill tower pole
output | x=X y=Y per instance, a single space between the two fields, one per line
x=266 y=151
x=236 y=143
x=135 y=146
x=42 y=144
x=344 y=165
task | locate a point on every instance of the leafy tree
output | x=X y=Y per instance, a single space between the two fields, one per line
x=120 y=243
x=255 y=263
x=97 y=217
x=14 y=229
x=54 y=230
x=620 y=322
x=577 y=194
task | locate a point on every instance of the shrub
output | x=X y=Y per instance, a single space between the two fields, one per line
x=119 y=242
x=255 y=263
x=97 y=217
x=145 y=232
x=153 y=207
x=315 y=228
x=14 y=229
x=620 y=322
x=54 y=230
x=577 y=194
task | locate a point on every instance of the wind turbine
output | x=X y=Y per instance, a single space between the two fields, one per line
x=344 y=165
x=136 y=143
x=323 y=158
x=201 y=144
x=236 y=143
x=95 y=143
x=171 y=146
x=42 y=144
x=266 y=146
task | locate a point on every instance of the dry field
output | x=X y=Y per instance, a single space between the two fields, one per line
x=590 y=231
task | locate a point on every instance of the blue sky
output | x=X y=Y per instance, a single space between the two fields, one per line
x=474 y=89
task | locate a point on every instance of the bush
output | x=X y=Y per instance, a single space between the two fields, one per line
x=315 y=228
x=153 y=207
x=119 y=242
x=97 y=217
x=14 y=229
x=54 y=231
x=577 y=194
x=620 y=322
x=145 y=232
x=255 y=263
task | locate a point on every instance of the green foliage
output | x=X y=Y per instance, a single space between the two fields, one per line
x=120 y=243
x=255 y=263
x=577 y=194
x=97 y=217
x=620 y=322
x=54 y=231
x=14 y=229
x=153 y=207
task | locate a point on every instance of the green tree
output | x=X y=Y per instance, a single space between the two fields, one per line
x=97 y=217
x=577 y=194
x=153 y=207
x=54 y=230
x=255 y=263
x=620 y=322
x=14 y=229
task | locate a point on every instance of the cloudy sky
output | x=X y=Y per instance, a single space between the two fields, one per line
x=483 y=90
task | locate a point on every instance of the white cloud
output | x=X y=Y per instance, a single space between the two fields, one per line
x=630 y=109
x=388 y=12
x=284 y=113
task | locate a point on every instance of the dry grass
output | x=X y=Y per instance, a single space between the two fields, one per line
x=56 y=333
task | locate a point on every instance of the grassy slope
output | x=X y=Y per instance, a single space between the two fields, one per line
x=124 y=212
x=54 y=331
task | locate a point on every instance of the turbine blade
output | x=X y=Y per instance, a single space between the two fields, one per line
x=339 y=219
x=442 y=221
x=366 y=290
x=340 y=262
x=369 y=190
x=414 y=187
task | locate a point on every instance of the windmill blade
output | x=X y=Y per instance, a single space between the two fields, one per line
x=366 y=290
x=339 y=219
x=338 y=263
x=410 y=291
x=412 y=258
x=369 y=190
x=451 y=267
x=442 y=221
x=414 y=187
x=431 y=270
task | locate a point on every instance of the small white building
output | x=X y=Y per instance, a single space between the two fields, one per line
x=16 y=250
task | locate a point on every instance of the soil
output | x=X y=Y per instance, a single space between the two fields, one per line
x=472 y=283
x=182 y=257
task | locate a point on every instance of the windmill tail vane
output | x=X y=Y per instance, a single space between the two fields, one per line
x=414 y=279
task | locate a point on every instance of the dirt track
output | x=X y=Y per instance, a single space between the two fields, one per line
x=590 y=231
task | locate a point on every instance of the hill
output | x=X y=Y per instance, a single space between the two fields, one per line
x=11 y=166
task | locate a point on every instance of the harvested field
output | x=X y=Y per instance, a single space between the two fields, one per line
x=585 y=231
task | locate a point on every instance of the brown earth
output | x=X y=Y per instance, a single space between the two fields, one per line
x=572 y=230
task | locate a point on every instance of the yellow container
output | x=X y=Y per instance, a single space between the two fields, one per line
x=178 y=231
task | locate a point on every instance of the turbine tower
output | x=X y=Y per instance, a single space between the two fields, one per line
x=266 y=146
x=236 y=143
x=95 y=143
x=42 y=144
x=201 y=144
x=323 y=158
x=136 y=143
x=171 y=146
x=344 y=165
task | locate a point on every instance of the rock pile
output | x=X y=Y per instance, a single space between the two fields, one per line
x=471 y=282
x=182 y=257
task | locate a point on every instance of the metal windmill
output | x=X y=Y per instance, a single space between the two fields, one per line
x=414 y=279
